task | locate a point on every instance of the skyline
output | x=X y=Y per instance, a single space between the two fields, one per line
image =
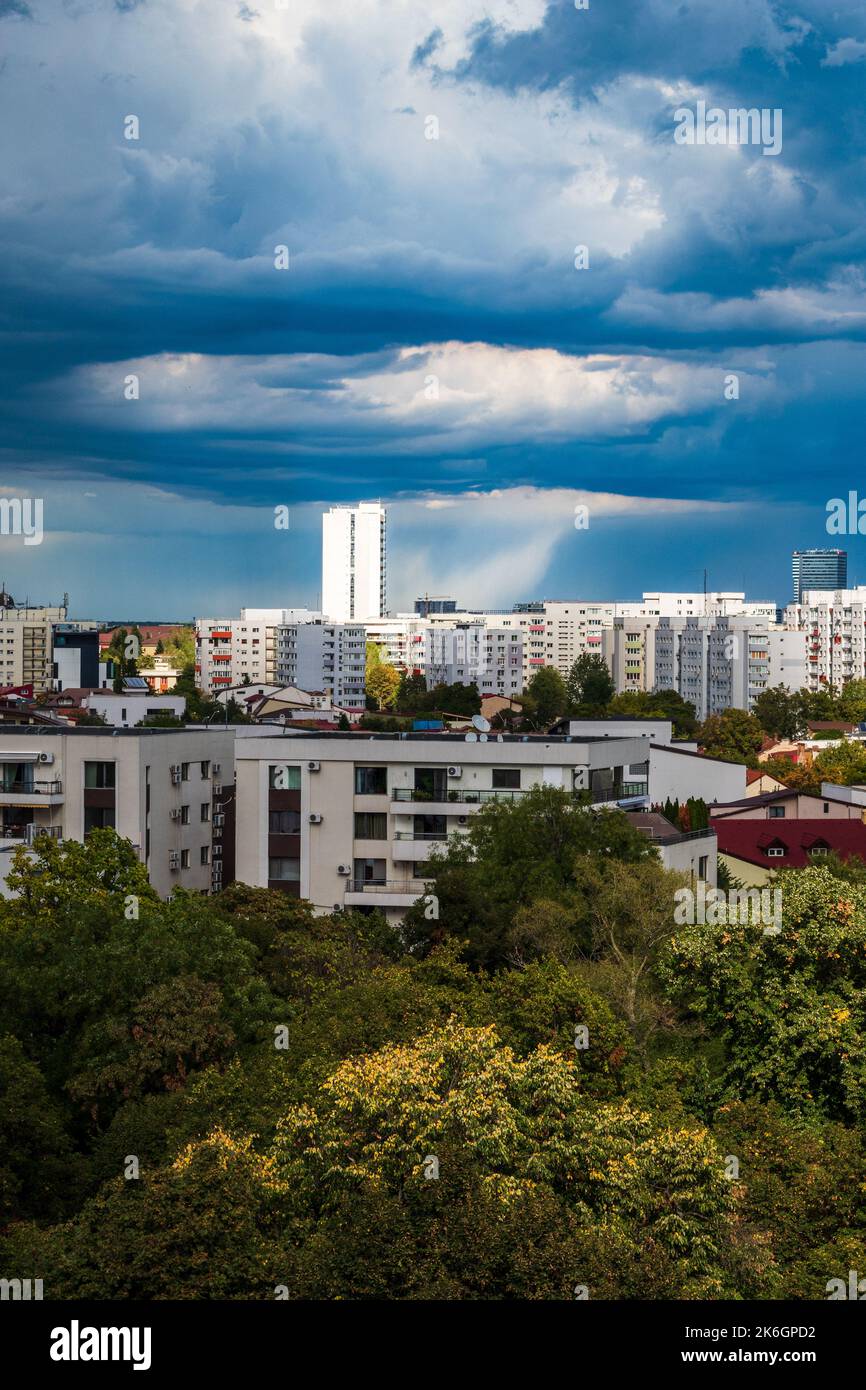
x=430 y=340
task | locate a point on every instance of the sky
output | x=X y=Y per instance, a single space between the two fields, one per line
x=290 y=253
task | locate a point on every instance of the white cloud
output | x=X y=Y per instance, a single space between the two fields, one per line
x=843 y=52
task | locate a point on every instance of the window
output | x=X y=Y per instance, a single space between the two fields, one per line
x=286 y=870
x=99 y=775
x=371 y=781
x=98 y=818
x=284 y=778
x=205 y=811
x=703 y=864
x=371 y=825
x=184 y=859
x=826 y=808
x=506 y=778
x=284 y=822
x=204 y=854
x=184 y=815
x=184 y=772
x=205 y=769
x=775 y=852
x=777 y=813
x=819 y=849
x=369 y=871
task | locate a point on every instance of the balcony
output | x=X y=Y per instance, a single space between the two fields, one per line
x=408 y=846
x=396 y=892
x=454 y=798
x=35 y=793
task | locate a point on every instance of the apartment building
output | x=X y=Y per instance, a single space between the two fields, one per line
x=27 y=645
x=401 y=639
x=834 y=626
x=347 y=821
x=354 y=563
x=324 y=657
x=155 y=787
x=490 y=657
x=242 y=651
x=724 y=663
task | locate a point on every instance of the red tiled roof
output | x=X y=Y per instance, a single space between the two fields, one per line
x=748 y=839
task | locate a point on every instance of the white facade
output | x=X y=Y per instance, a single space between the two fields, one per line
x=234 y=651
x=833 y=625
x=318 y=656
x=354 y=563
x=155 y=787
x=126 y=710
x=355 y=819
x=720 y=663
x=26 y=645
x=490 y=657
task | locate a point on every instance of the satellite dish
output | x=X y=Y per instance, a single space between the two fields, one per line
x=471 y=738
x=481 y=724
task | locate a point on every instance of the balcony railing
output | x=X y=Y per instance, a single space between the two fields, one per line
x=454 y=795
x=34 y=788
x=387 y=885
x=429 y=835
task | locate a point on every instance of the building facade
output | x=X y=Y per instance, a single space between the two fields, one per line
x=351 y=822
x=324 y=657
x=155 y=787
x=491 y=658
x=818 y=569
x=354 y=563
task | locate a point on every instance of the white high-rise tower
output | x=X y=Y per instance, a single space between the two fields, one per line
x=354 y=565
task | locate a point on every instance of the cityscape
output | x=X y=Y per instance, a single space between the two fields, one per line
x=420 y=880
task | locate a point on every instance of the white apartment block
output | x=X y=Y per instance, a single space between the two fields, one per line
x=491 y=658
x=401 y=639
x=354 y=563
x=717 y=604
x=241 y=651
x=26 y=645
x=155 y=787
x=346 y=821
x=717 y=663
x=324 y=657
x=833 y=625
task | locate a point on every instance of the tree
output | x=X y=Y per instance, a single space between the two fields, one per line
x=546 y=690
x=382 y=679
x=658 y=704
x=589 y=681
x=514 y=854
x=789 y=1006
x=734 y=734
x=781 y=713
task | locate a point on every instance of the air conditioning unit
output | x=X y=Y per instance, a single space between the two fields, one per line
x=455 y=772
x=216 y=767
x=45 y=758
x=219 y=820
x=344 y=869
x=176 y=776
x=173 y=859
x=314 y=767
x=462 y=820
x=175 y=813
x=315 y=818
